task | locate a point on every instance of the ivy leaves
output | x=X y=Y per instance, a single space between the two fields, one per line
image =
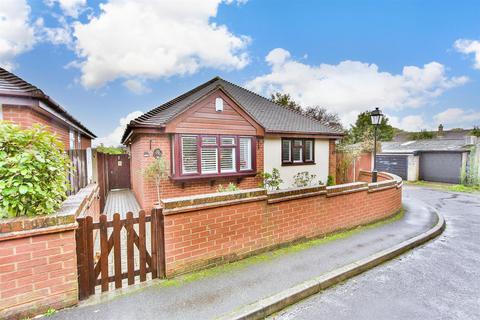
x=33 y=171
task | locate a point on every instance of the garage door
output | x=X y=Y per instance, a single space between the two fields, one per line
x=396 y=164
x=441 y=166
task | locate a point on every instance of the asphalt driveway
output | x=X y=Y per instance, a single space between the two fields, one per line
x=440 y=280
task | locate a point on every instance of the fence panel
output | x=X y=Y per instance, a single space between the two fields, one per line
x=101 y=271
x=78 y=176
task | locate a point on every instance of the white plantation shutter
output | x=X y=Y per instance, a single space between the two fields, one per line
x=189 y=154
x=227 y=160
x=308 y=150
x=209 y=160
x=286 y=151
x=245 y=153
x=297 y=151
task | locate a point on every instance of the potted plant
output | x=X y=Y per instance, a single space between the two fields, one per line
x=156 y=172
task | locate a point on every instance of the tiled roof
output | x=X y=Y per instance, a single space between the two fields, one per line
x=424 y=145
x=272 y=117
x=10 y=84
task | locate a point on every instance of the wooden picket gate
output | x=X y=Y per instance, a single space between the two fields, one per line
x=93 y=270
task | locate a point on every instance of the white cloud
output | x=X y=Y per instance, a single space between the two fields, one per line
x=58 y=35
x=409 y=123
x=469 y=47
x=113 y=138
x=16 y=33
x=154 y=39
x=351 y=87
x=69 y=7
x=458 y=117
x=136 y=86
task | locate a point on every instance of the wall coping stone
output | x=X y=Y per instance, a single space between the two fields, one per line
x=295 y=193
x=210 y=198
x=346 y=188
x=62 y=220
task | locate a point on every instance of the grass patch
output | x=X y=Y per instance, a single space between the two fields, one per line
x=445 y=186
x=229 y=267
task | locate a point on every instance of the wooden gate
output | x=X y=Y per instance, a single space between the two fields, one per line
x=121 y=236
x=118 y=171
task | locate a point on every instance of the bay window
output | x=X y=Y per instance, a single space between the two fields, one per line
x=214 y=155
x=298 y=151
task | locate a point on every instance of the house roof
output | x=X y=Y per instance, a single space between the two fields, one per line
x=271 y=116
x=453 y=134
x=424 y=145
x=12 y=85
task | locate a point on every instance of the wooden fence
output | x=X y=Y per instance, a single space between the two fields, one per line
x=78 y=176
x=94 y=270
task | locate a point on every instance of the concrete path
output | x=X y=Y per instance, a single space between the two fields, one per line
x=223 y=292
x=440 y=280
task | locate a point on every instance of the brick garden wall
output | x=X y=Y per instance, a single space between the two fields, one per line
x=38 y=265
x=145 y=191
x=211 y=229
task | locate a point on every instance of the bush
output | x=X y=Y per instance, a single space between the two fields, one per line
x=304 y=179
x=230 y=187
x=33 y=171
x=270 y=181
x=330 y=181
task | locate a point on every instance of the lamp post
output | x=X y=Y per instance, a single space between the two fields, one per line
x=376 y=116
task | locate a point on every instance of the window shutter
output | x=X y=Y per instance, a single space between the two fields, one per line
x=308 y=150
x=297 y=151
x=189 y=154
x=286 y=151
x=245 y=154
x=227 y=160
x=209 y=160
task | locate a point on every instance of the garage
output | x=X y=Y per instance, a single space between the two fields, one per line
x=440 y=166
x=393 y=163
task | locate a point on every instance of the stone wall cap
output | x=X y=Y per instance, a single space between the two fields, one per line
x=187 y=201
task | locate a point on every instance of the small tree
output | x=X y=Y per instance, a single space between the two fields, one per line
x=33 y=171
x=156 y=172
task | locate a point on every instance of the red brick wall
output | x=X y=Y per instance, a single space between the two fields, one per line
x=145 y=191
x=25 y=117
x=37 y=273
x=202 y=238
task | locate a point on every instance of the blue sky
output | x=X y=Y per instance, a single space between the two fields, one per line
x=104 y=60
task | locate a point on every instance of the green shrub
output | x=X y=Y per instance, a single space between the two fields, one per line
x=230 y=187
x=330 y=181
x=270 y=181
x=156 y=172
x=303 y=179
x=33 y=171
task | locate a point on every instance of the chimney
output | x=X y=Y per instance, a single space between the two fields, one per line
x=440 y=130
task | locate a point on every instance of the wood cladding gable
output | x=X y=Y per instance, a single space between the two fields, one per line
x=202 y=118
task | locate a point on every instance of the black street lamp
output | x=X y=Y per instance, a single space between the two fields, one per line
x=376 y=116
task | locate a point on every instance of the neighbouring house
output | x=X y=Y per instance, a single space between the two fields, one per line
x=25 y=104
x=220 y=132
x=438 y=159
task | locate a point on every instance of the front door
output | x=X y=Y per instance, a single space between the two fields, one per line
x=118 y=171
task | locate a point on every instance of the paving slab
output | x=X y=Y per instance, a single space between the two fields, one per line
x=222 y=292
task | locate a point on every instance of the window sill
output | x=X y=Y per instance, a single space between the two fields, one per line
x=298 y=164
x=210 y=177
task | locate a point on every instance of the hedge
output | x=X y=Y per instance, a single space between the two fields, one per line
x=33 y=171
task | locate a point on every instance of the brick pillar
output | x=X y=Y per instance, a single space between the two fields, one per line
x=332 y=159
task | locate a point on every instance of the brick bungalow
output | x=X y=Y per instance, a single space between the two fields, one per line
x=218 y=133
x=25 y=104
